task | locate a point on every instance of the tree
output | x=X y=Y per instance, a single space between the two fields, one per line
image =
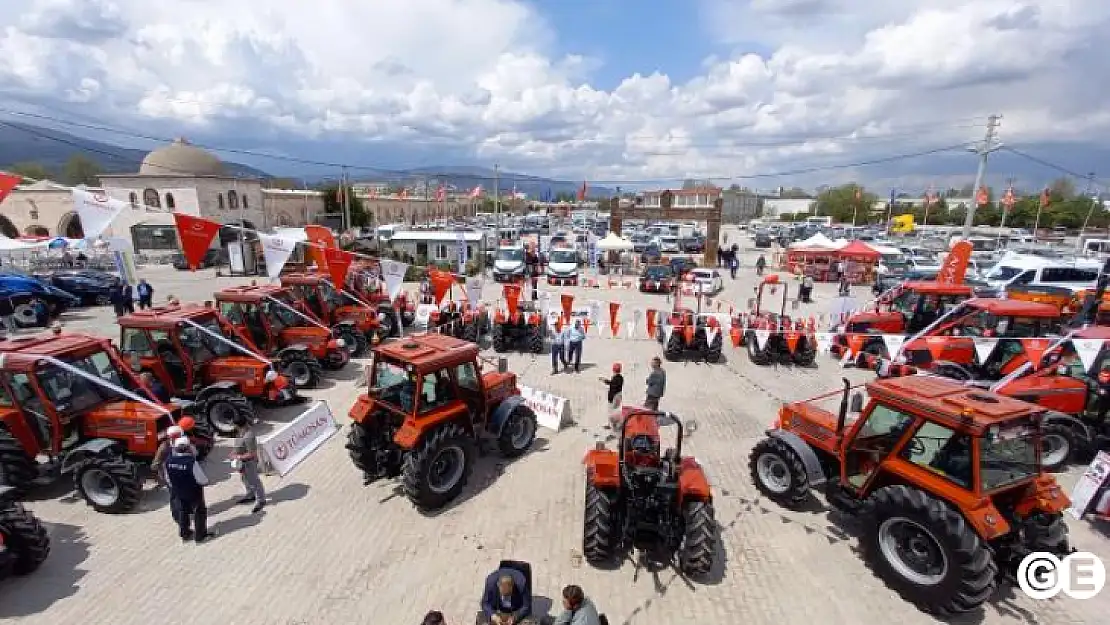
x=333 y=204
x=34 y=171
x=80 y=169
x=843 y=206
x=1062 y=188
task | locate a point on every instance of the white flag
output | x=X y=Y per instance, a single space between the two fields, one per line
x=1088 y=350
x=473 y=292
x=984 y=347
x=637 y=315
x=393 y=273
x=893 y=344
x=761 y=337
x=824 y=342
x=276 y=250
x=710 y=335
x=668 y=330
x=96 y=209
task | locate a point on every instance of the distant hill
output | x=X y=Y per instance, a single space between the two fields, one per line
x=24 y=143
x=466 y=177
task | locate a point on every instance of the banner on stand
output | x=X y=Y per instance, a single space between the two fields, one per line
x=1089 y=485
x=552 y=411
x=289 y=446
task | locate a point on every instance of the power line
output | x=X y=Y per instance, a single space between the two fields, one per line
x=1064 y=170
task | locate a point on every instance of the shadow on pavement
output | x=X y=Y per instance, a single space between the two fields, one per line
x=55 y=580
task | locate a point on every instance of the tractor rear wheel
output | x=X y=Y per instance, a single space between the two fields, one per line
x=17 y=468
x=1060 y=446
x=926 y=551
x=300 y=370
x=600 y=525
x=778 y=473
x=436 y=471
x=221 y=409
x=805 y=354
x=360 y=448
x=699 y=544
x=24 y=536
x=497 y=338
x=350 y=338
x=518 y=432
x=108 y=484
x=675 y=346
x=535 y=339
x=757 y=355
x=714 y=353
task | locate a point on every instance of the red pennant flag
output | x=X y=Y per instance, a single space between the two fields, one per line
x=650 y=322
x=568 y=304
x=195 y=235
x=512 y=298
x=792 y=340
x=1008 y=198
x=1034 y=350
x=586 y=325
x=982 y=198
x=936 y=345
x=7 y=183
x=319 y=239
x=616 y=326
x=1046 y=198
x=338 y=262
x=441 y=282
x=688 y=333
x=614 y=310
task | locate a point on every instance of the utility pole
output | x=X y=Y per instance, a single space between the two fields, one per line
x=346 y=202
x=497 y=199
x=1087 y=194
x=990 y=144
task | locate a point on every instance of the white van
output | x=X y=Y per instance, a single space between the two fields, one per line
x=1021 y=269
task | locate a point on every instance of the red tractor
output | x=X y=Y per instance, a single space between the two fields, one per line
x=24 y=543
x=265 y=314
x=907 y=309
x=947 y=480
x=354 y=321
x=179 y=346
x=458 y=320
x=641 y=496
x=685 y=331
x=521 y=324
x=84 y=428
x=428 y=410
x=785 y=340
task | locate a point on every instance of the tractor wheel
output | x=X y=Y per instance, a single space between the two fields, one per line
x=1060 y=446
x=876 y=348
x=535 y=339
x=714 y=353
x=350 y=337
x=108 y=484
x=17 y=469
x=221 y=408
x=470 y=331
x=436 y=471
x=1046 y=532
x=600 y=526
x=924 y=550
x=25 y=315
x=778 y=473
x=675 y=347
x=300 y=370
x=362 y=344
x=755 y=354
x=336 y=359
x=23 y=535
x=805 y=354
x=699 y=544
x=360 y=448
x=497 y=338
x=518 y=432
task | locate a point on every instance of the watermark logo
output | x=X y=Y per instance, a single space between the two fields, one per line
x=1080 y=575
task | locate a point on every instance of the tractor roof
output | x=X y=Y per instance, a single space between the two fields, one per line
x=21 y=353
x=429 y=352
x=950 y=403
x=931 y=287
x=250 y=294
x=1014 y=308
x=165 y=317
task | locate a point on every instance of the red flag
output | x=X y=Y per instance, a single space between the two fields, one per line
x=614 y=310
x=476 y=192
x=1035 y=349
x=195 y=235
x=1046 y=198
x=7 y=183
x=651 y=322
x=583 y=191
x=1008 y=198
x=511 y=293
x=338 y=262
x=567 y=300
x=441 y=282
x=983 y=197
x=319 y=238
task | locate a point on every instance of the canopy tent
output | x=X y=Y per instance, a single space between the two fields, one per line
x=858 y=249
x=614 y=243
x=817 y=241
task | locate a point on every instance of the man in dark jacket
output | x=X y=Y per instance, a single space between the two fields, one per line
x=187 y=481
x=128 y=298
x=505 y=600
x=145 y=293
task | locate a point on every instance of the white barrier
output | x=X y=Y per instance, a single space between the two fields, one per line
x=552 y=411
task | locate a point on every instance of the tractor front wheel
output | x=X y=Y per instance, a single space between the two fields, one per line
x=221 y=409
x=108 y=484
x=805 y=354
x=675 y=346
x=600 y=526
x=699 y=544
x=300 y=370
x=757 y=355
x=497 y=338
x=350 y=338
x=778 y=473
x=1060 y=446
x=436 y=471
x=17 y=468
x=23 y=535
x=926 y=551
x=518 y=432
x=714 y=352
x=535 y=339
x=471 y=331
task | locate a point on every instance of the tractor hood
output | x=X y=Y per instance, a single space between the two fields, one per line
x=307 y=335
x=118 y=414
x=237 y=369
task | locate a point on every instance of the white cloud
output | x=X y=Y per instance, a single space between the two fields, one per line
x=479 y=75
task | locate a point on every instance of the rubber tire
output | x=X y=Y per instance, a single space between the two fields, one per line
x=505 y=442
x=497 y=339
x=313 y=369
x=714 y=353
x=1046 y=532
x=25 y=536
x=350 y=338
x=674 y=348
x=758 y=356
x=17 y=469
x=414 y=472
x=699 y=544
x=798 y=493
x=805 y=354
x=241 y=404
x=203 y=439
x=360 y=450
x=535 y=339
x=386 y=328
x=600 y=526
x=471 y=331
x=362 y=344
x=26 y=322
x=126 y=476
x=1067 y=435
x=972 y=572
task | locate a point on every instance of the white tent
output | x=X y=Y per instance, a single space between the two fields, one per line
x=818 y=240
x=14 y=245
x=613 y=243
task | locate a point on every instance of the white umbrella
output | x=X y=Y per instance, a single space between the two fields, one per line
x=614 y=243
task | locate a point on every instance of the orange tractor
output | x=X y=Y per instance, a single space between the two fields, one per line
x=79 y=426
x=179 y=345
x=428 y=410
x=354 y=321
x=785 y=341
x=686 y=330
x=364 y=280
x=948 y=479
x=24 y=543
x=265 y=314
x=641 y=496
x=520 y=324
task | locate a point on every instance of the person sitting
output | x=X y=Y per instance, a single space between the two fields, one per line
x=506 y=599
x=577 y=608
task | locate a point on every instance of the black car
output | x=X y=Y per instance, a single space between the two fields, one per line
x=657 y=279
x=763 y=239
x=693 y=245
x=90 y=286
x=212 y=258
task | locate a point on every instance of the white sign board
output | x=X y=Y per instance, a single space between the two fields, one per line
x=290 y=445
x=552 y=411
x=1088 y=485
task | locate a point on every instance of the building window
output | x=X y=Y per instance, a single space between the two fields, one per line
x=245 y=205
x=151 y=199
x=232 y=200
x=441 y=251
x=133 y=198
x=220 y=201
x=170 y=204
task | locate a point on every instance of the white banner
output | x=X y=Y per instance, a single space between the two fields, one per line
x=578 y=312
x=984 y=347
x=1088 y=485
x=290 y=445
x=393 y=273
x=276 y=251
x=824 y=342
x=473 y=292
x=893 y=344
x=96 y=209
x=1087 y=350
x=552 y=411
x=668 y=330
x=761 y=337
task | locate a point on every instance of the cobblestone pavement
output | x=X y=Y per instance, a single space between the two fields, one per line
x=330 y=550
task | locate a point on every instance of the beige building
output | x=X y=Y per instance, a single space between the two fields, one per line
x=390 y=210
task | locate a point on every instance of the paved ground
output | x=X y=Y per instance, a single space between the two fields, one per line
x=332 y=551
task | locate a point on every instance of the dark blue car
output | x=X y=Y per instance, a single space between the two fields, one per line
x=27 y=293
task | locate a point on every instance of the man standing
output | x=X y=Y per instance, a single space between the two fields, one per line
x=115 y=295
x=576 y=336
x=245 y=457
x=187 y=481
x=558 y=349
x=656 y=384
x=128 y=298
x=145 y=293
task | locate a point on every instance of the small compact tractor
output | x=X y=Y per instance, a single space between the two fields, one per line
x=786 y=341
x=428 y=410
x=356 y=322
x=947 y=478
x=641 y=497
x=521 y=325
x=458 y=320
x=179 y=346
x=265 y=314
x=685 y=331
x=80 y=427
x=24 y=543
x=364 y=280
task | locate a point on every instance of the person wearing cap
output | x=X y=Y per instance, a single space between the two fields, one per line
x=616 y=387
x=165 y=445
x=245 y=459
x=187 y=481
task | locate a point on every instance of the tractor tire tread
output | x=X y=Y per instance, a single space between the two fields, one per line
x=360 y=449
x=700 y=543
x=415 y=467
x=17 y=468
x=799 y=491
x=26 y=536
x=127 y=479
x=505 y=442
x=600 y=527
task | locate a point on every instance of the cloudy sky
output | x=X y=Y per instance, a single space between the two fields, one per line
x=603 y=90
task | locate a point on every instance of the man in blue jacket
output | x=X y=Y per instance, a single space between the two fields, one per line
x=187 y=481
x=506 y=600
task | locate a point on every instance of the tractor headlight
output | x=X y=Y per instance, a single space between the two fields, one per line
x=340 y=343
x=271 y=375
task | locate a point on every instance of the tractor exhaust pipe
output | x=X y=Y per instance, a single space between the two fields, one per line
x=842 y=417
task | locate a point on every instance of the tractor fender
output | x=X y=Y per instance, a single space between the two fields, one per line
x=88 y=449
x=216 y=387
x=298 y=348
x=814 y=472
x=500 y=414
x=1076 y=424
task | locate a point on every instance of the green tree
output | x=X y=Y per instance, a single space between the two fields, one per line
x=1062 y=188
x=32 y=170
x=80 y=169
x=842 y=205
x=333 y=203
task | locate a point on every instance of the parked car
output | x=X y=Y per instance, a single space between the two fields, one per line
x=707 y=281
x=90 y=286
x=651 y=254
x=763 y=239
x=25 y=291
x=212 y=258
x=657 y=279
x=693 y=245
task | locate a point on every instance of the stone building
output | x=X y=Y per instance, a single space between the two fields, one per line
x=412 y=211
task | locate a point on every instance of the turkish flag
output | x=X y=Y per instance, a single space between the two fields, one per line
x=614 y=309
x=338 y=262
x=7 y=183
x=195 y=235
x=650 y=322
